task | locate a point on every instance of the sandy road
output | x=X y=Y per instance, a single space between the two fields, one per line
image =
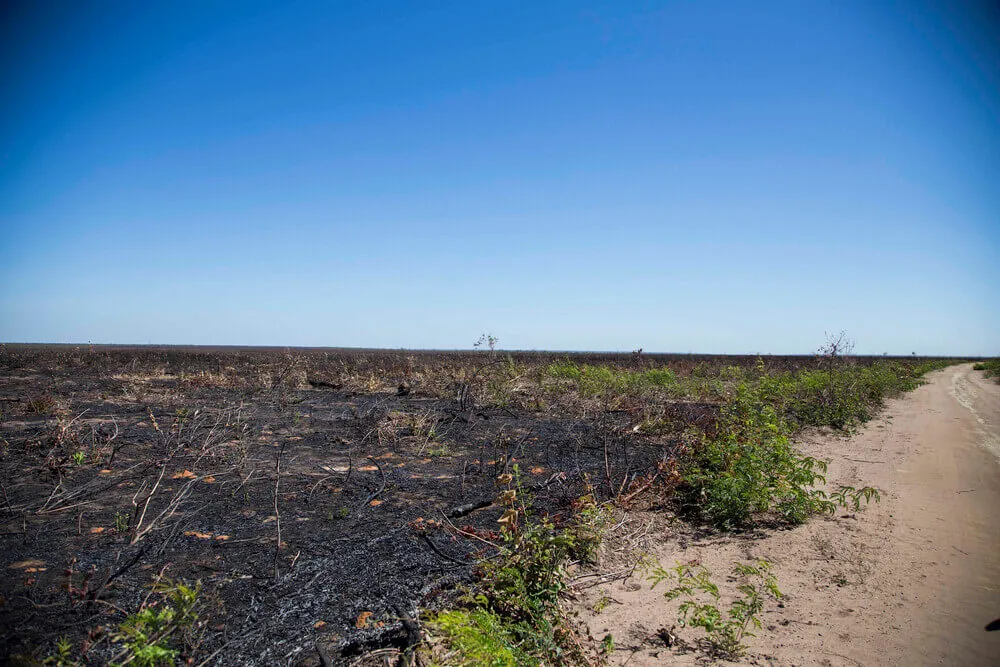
x=947 y=521
x=913 y=580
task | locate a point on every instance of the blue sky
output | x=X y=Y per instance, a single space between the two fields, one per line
x=680 y=176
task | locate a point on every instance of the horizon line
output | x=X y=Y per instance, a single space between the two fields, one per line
x=350 y=348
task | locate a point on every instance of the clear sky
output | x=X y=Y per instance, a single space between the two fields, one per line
x=678 y=176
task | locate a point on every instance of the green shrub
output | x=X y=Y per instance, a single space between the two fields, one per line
x=151 y=635
x=991 y=368
x=154 y=636
x=512 y=615
x=840 y=397
x=749 y=466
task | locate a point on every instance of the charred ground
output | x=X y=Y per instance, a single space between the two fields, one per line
x=321 y=497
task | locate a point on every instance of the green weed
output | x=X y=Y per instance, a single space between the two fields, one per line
x=601 y=604
x=512 y=616
x=154 y=636
x=746 y=466
x=478 y=637
x=850 y=497
x=439 y=450
x=63 y=656
x=592 y=381
x=725 y=631
x=151 y=635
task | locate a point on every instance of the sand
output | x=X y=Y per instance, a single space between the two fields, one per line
x=912 y=580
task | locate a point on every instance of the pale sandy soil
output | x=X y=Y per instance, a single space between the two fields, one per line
x=913 y=580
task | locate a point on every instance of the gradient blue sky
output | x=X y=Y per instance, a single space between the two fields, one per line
x=680 y=176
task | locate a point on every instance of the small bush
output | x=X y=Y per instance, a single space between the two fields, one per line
x=990 y=367
x=151 y=635
x=512 y=615
x=63 y=656
x=749 y=466
x=725 y=631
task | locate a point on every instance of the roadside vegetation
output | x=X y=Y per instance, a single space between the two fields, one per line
x=991 y=368
x=740 y=470
x=340 y=504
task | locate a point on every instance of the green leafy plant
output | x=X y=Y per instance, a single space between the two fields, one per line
x=749 y=466
x=438 y=450
x=746 y=466
x=850 y=497
x=608 y=644
x=478 y=636
x=512 y=615
x=725 y=630
x=151 y=635
x=63 y=656
x=607 y=381
x=339 y=515
x=601 y=604
x=79 y=458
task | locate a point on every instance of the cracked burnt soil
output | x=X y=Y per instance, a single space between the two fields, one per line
x=193 y=461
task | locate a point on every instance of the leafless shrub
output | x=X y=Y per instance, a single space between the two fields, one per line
x=173 y=507
x=104 y=443
x=837 y=349
x=219 y=435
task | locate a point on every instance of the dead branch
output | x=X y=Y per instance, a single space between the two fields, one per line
x=247 y=479
x=172 y=507
x=472 y=535
x=468 y=508
x=6 y=499
x=440 y=553
x=642 y=488
x=137 y=533
x=114 y=574
x=277 y=512
x=316 y=486
x=601 y=578
x=93 y=487
x=375 y=495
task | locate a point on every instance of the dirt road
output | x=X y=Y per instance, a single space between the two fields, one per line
x=913 y=580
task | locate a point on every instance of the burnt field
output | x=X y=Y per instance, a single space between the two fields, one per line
x=322 y=498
